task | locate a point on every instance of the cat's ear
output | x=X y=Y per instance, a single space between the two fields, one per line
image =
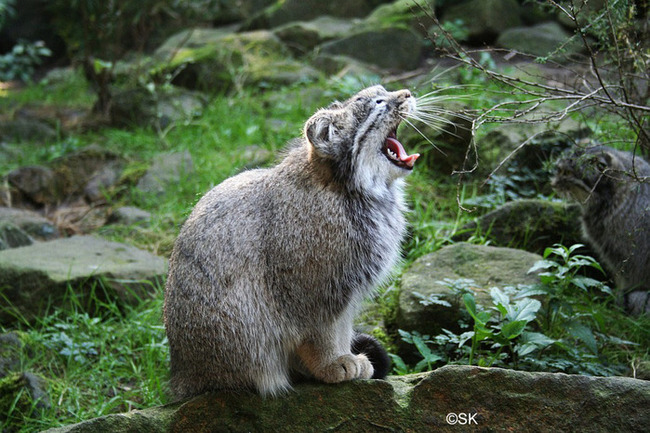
x=608 y=161
x=321 y=133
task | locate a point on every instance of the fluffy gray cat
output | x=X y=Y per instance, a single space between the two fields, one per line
x=613 y=189
x=272 y=264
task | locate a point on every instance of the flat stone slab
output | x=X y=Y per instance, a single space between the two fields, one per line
x=35 y=275
x=453 y=398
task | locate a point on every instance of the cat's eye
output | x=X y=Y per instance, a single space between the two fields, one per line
x=379 y=101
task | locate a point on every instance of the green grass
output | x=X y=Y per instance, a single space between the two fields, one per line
x=117 y=359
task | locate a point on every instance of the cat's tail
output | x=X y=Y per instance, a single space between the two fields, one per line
x=377 y=355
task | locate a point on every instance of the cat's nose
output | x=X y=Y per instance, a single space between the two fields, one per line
x=404 y=94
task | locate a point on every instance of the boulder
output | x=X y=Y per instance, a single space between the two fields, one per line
x=303 y=36
x=487 y=266
x=129 y=215
x=216 y=60
x=223 y=11
x=12 y=236
x=38 y=183
x=26 y=130
x=165 y=170
x=451 y=399
x=526 y=166
x=409 y=13
x=540 y=40
x=484 y=19
x=30 y=222
x=12 y=344
x=532 y=225
x=21 y=394
x=85 y=173
x=304 y=10
x=37 y=277
x=401 y=48
x=159 y=109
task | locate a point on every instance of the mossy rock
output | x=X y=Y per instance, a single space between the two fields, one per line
x=495 y=398
x=287 y=11
x=12 y=236
x=21 y=395
x=544 y=142
x=216 y=61
x=401 y=48
x=484 y=19
x=303 y=36
x=413 y=14
x=541 y=40
x=39 y=277
x=487 y=266
x=532 y=225
x=166 y=105
x=30 y=222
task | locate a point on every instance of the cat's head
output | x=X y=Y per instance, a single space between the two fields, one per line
x=357 y=138
x=581 y=173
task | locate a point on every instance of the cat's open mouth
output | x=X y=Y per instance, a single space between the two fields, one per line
x=396 y=154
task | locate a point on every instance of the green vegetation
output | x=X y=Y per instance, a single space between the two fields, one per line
x=567 y=323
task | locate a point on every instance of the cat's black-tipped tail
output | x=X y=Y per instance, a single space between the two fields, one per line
x=377 y=355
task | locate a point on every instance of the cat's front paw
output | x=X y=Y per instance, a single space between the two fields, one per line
x=347 y=367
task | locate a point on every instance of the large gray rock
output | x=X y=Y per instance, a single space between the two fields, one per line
x=532 y=225
x=165 y=106
x=12 y=236
x=391 y=48
x=166 y=169
x=86 y=172
x=540 y=40
x=484 y=19
x=487 y=266
x=304 y=10
x=215 y=59
x=303 y=36
x=26 y=130
x=129 y=215
x=36 y=277
x=544 y=141
x=489 y=399
x=30 y=222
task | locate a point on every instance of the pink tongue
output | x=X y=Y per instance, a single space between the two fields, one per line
x=397 y=147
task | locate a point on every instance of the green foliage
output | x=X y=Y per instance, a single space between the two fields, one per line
x=19 y=64
x=6 y=10
x=562 y=332
x=96 y=364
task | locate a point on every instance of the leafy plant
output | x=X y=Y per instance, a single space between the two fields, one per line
x=501 y=329
x=542 y=327
x=429 y=357
x=20 y=63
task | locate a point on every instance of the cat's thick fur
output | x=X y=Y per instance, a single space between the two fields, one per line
x=613 y=189
x=270 y=267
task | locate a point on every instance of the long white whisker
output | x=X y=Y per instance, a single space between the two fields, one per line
x=434 y=111
x=433 y=122
x=408 y=122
